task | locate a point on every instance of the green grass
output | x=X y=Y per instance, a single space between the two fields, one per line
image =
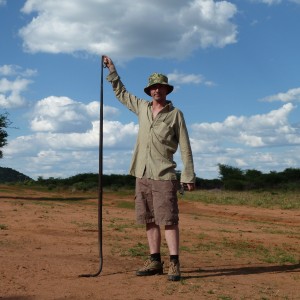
x=119 y=227
x=271 y=230
x=85 y=225
x=123 y=192
x=265 y=199
x=3 y=190
x=186 y=249
x=119 y=224
x=224 y=297
x=43 y=203
x=3 y=227
x=138 y=250
x=126 y=204
x=266 y=254
x=245 y=249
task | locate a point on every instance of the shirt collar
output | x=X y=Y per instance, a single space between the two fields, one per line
x=169 y=105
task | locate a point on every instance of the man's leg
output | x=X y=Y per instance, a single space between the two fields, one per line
x=154 y=237
x=172 y=238
x=153 y=265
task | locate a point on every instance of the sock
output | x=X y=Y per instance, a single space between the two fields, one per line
x=174 y=258
x=155 y=257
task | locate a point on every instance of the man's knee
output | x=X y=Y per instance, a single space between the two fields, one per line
x=171 y=227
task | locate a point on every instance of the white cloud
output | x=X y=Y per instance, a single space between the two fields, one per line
x=181 y=78
x=290 y=95
x=64 y=154
x=106 y=28
x=62 y=114
x=177 y=79
x=271 y=2
x=2 y=2
x=15 y=70
x=60 y=163
x=264 y=142
x=66 y=135
x=271 y=129
x=65 y=139
x=11 y=92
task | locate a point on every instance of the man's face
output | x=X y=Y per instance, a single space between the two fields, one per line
x=158 y=91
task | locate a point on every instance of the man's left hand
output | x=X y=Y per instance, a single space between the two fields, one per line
x=190 y=186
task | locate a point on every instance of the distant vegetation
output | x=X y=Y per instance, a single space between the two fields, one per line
x=8 y=175
x=236 y=179
x=4 y=123
x=89 y=181
x=231 y=178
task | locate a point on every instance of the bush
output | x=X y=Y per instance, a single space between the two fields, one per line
x=235 y=185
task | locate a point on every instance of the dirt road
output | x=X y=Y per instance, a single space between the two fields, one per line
x=227 y=252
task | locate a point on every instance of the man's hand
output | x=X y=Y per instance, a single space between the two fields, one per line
x=109 y=64
x=188 y=186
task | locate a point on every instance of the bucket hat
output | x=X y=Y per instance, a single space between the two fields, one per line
x=157 y=78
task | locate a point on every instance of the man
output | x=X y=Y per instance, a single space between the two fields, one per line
x=161 y=129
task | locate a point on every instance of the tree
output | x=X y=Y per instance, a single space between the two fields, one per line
x=228 y=172
x=254 y=178
x=232 y=178
x=4 y=123
x=291 y=174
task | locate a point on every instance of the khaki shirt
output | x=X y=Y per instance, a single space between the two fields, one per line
x=157 y=139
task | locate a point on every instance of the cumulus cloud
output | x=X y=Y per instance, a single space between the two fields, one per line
x=178 y=78
x=263 y=142
x=62 y=154
x=289 y=96
x=121 y=30
x=15 y=70
x=62 y=114
x=64 y=163
x=60 y=123
x=271 y=129
x=271 y=2
x=259 y=159
x=115 y=134
x=11 y=90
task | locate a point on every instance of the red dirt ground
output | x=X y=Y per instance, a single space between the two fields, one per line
x=46 y=244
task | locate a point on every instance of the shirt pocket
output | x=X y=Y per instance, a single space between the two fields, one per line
x=165 y=134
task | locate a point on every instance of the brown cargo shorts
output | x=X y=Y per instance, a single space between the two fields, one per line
x=156 y=201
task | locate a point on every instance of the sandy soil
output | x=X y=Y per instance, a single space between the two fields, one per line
x=227 y=252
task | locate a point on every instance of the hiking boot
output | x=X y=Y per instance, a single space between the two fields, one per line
x=151 y=267
x=174 y=271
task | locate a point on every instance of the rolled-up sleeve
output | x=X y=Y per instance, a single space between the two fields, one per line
x=126 y=98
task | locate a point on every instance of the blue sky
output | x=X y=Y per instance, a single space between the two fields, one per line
x=234 y=65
